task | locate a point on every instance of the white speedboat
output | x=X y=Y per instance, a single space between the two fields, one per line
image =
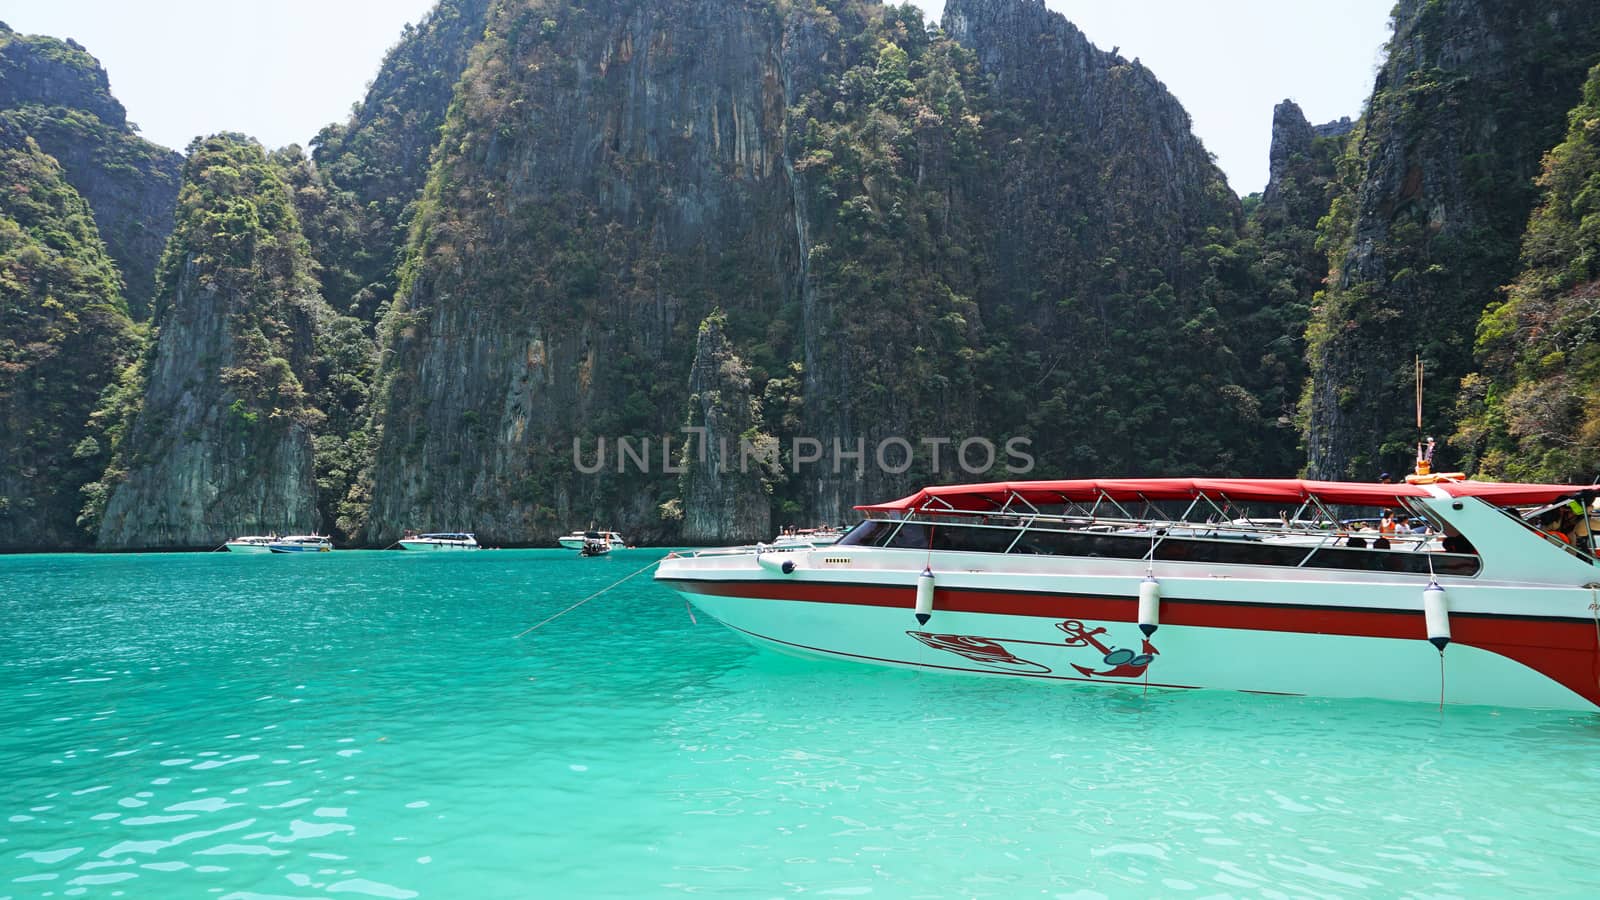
x=1124 y=582
x=575 y=540
x=251 y=543
x=442 y=541
x=301 y=543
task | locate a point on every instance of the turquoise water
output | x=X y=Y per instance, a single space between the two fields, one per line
x=357 y=725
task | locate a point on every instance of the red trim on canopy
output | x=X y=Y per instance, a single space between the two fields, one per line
x=962 y=498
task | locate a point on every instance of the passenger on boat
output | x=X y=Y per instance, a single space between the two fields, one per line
x=1381 y=543
x=1387 y=524
x=1566 y=525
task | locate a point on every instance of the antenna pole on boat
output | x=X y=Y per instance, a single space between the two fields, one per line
x=1418 y=361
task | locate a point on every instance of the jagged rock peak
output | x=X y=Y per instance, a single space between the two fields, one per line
x=978 y=24
x=47 y=71
x=1291 y=136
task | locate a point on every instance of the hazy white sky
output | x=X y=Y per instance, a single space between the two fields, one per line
x=280 y=70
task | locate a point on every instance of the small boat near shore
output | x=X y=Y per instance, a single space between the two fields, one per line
x=1176 y=583
x=301 y=543
x=595 y=543
x=251 y=543
x=813 y=537
x=577 y=539
x=440 y=541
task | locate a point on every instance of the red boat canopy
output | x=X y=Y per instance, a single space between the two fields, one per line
x=957 y=498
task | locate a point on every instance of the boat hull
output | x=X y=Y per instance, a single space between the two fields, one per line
x=435 y=546
x=247 y=548
x=1214 y=642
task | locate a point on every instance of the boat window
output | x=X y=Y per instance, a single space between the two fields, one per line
x=1105 y=541
x=973 y=538
x=1078 y=543
x=871 y=533
x=911 y=536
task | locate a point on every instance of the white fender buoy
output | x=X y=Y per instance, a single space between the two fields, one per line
x=925 y=596
x=1436 y=611
x=1149 y=605
x=774 y=562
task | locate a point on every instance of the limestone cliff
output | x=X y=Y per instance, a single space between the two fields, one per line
x=1112 y=268
x=726 y=457
x=1000 y=231
x=55 y=93
x=1533 y=410
x=1290 y=266
x=1471 y=93
x=223 y=442
x=65 y=336
x=611 y=168
x=371 y=170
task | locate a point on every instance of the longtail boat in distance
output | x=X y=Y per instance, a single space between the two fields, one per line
x=1285 y=586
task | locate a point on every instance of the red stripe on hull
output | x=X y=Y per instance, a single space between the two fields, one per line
x=1565 y=650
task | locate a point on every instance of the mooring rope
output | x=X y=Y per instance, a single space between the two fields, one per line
x=608 y=587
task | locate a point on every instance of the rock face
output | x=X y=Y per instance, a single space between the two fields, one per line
x=609 y=169
x=65 y=336
x=1470 y=96
x=1110 y=240
x=1337 y=128
x=1290 y=267
x=371 y=169
x=1291 y=141
x=57 y=94
x=729 y=460
x=874 y=246
x=223 y=442
x=914 y=238
x=1533 y=411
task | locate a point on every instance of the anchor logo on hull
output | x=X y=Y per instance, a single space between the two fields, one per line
x=1119 y=662
x=1124 y=663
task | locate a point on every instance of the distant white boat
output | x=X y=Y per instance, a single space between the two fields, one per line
x=301 y=543
x=809 y=537
x=251 y=543
x=575 y=540
x=442 y=541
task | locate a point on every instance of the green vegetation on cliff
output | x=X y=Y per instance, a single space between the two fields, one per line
x=54 y=93
x=222 y=443
x=992 y=232
x=1533 y=413
x=65 y=335
x=370 y=170
x=1471 y=95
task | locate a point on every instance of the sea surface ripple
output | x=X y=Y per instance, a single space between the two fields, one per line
x=357 y=725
